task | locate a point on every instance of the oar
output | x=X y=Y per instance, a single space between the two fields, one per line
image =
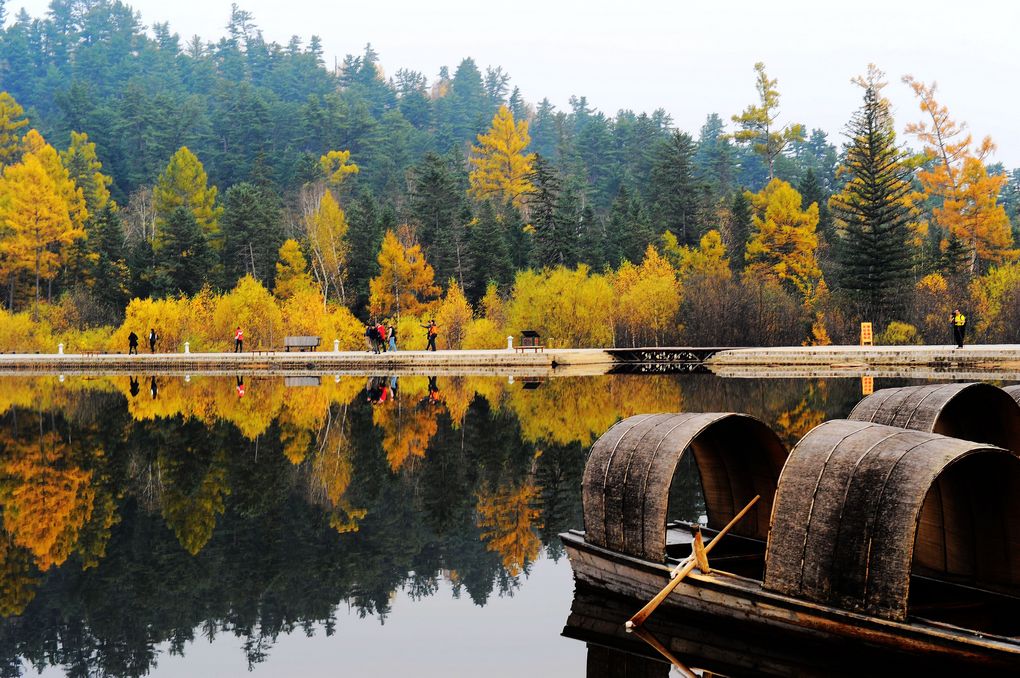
x=683 y=569
x=661 y=649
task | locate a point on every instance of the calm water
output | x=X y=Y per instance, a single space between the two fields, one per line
x=213 y=526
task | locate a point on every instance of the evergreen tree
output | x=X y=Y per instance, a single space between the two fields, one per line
x=741 y=216
x=108 y=264
x=368 y=222
x=553 y=217
x=252 y=228
x=437 y=208
x=677 y=194
x=487 y=247
x=714 y=160
x=875 y=258
x=185 y=257
x=810 y=188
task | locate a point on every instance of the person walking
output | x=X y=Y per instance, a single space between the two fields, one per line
x=959 y=323
x=238 y=340
x=373 y=337
x=393 y=337
x=132 y=343
x=152 y=340
x=431 y=331
x=380 y=333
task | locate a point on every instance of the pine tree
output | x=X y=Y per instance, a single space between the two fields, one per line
x=185 y=257
x=252 y=227
x=741 y=215
x=368 y=223
x=488 y=251
x=108 y=266
x=678 y=195
x=554 y=217
x=875 y=259
x=437 y=208
x=714 y=160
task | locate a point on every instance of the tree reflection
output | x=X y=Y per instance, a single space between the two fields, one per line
x=129 y=522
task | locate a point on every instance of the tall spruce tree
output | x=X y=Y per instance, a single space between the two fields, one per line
x=677 y=194
x=740 y=228
x=874 y=256
x=437 y=208
x=487 y=249
x=252 y=229
x=185 y=257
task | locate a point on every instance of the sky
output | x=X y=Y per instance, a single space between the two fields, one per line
x=690 y=58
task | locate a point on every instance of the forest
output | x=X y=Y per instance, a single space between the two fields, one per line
x=191 y=185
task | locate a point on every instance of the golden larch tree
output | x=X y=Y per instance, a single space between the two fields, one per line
x=34 y=144
x=292 y=277
x=956 y=176
x=184 y=183
x=454 y=315
x=500 y=167
x=405 y=284
x=758 y=123
x=12 y=121
x=86 y=171
x=784 y=240
x=509 y=517
x=37 y=218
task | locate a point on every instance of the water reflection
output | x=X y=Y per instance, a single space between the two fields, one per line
x=250 y=507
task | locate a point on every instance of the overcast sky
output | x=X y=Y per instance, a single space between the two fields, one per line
x=690 y=58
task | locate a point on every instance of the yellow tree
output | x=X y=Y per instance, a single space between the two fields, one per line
x=648 y=297
x=500 y=167
x=34 y=144
x=327 y=228
x=336 y=166
x=184 y=183
x=86 y=171
x=957 y=177
x=784 y=241
x=405 y=281
x=708 y=259
x=454 y=315
x=38 y=220
x=292 y=276
x=758 y=123
x=12 y=120
x=508 y=518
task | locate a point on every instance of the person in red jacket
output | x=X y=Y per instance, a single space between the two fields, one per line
x=238 y=340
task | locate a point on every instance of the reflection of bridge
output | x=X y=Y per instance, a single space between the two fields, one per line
x=655 y=359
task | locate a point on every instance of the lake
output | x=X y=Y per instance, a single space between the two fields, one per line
x=210 y=526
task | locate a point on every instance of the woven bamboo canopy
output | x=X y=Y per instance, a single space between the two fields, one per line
x=979 y=412
x=631 y=468
x=860 y=506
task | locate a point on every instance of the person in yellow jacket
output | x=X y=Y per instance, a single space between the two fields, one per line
x=959 y=323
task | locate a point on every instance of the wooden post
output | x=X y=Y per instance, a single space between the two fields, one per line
x=867 y=338
x=700 y=556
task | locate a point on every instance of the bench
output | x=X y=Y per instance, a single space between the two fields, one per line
x=301 y=343
x=529 y=341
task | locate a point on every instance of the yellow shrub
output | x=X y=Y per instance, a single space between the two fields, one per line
x=483 y=333
x=410 y=334
x=898 y=334
x=19 y=334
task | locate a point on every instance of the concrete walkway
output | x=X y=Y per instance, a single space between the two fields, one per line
x=280 y=362
x=985 y=357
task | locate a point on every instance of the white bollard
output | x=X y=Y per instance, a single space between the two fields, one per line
x=336 y=346
x=187 y=377
x=336 y=379
x=187 y=347
x=60 y=349
x=510 y=343
x=510 y=379
x=60 y=378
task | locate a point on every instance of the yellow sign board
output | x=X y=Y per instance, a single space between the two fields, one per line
x=866 y=336
x=867 y=385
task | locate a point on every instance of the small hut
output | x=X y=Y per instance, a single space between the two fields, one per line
x=977 y=412
x=631 y=468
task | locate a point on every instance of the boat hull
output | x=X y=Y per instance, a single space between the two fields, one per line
x=737 y=599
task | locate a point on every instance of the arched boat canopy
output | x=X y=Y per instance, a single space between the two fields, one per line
x=860 y=506
x=979 y=412
x=630 y=469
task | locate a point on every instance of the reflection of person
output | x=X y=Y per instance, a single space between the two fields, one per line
x=152 y=340
x=959 y=323
x=132 y=343
x=433 y=391
x=431 y=331
x=153 y=389
x=134 y=387
x=374 y=390
x=238 y=340
x=240 y=386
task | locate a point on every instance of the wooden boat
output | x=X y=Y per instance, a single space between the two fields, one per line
x=972 y=411
x=901 y=540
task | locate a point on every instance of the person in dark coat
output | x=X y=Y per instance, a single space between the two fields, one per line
x=431 y=331
x=132 y=343
x=153 y=337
